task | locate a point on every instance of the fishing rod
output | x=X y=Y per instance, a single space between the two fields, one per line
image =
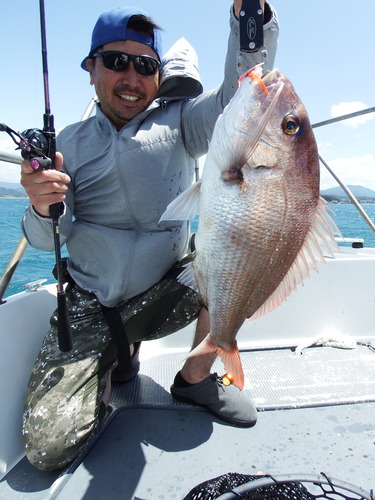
x=55 y=210
x=39 y=147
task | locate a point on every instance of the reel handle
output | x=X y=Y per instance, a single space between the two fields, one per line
x=37 y=163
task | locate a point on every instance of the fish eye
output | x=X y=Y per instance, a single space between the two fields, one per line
x=290 y=124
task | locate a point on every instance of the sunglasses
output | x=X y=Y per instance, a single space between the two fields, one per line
x=119 y=61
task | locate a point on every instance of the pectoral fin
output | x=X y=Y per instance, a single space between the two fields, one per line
x=185 y=206
x=244 y=148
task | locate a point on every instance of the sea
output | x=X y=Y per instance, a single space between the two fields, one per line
x=36 y=264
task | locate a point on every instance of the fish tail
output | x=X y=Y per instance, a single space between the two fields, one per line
x=230 y=358
x=233 y=366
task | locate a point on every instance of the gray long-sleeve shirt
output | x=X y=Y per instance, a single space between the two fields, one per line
x=121 y=182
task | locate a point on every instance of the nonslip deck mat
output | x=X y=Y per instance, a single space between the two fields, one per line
x=164 y=451
x=274 y=379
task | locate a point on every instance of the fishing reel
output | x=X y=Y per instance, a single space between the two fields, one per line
x=34 y=146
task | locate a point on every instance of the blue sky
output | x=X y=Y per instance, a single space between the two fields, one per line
x=325 y=48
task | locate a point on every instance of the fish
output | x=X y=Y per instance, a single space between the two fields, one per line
x=262 y=224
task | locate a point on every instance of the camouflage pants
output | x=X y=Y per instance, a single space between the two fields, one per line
x=64 y=406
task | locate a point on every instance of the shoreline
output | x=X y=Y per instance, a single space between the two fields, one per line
x=14 y=197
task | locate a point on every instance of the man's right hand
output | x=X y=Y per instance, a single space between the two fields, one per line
x=45 y=187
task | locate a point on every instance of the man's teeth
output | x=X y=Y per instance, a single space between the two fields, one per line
x=129 y=97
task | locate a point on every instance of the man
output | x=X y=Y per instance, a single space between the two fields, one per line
x=116 y=174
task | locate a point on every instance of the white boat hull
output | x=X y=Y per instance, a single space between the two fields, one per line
x=339 y=300
x=24 y=320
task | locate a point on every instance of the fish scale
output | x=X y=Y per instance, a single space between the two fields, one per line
x=259 y=233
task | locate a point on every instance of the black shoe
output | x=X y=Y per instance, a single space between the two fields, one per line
x=126 y=375
x=227 y=402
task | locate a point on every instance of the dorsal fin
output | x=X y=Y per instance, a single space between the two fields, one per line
x=319 y=241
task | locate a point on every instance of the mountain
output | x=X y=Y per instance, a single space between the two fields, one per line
x=16 y=190
x=358 y=191
x=10 y=193
x=13 y=190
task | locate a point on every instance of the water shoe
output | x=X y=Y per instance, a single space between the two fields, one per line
x=225 y=401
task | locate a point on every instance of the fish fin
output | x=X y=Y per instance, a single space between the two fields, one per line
x=230 y=358
x=185 y=206
x=319 y=241
x=246 y=148
x=233 y=366
x=187 y=277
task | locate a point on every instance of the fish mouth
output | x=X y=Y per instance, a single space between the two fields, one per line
x=273 y=79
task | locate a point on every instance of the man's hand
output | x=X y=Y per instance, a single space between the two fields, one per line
x=45 y=187
x=237 y=4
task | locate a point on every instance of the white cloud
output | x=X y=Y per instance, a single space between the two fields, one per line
x=344 y=108
x=324 y=145
x=357 y=170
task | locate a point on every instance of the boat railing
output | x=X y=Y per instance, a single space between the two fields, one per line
x=21 y=247
x=10 y=158
x=351 y=196
x=22 y=244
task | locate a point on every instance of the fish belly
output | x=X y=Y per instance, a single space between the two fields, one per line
x=246 y=242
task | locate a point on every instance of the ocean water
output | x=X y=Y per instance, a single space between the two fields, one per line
x=37 y=265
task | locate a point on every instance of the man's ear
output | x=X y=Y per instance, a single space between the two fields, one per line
x=90 y=67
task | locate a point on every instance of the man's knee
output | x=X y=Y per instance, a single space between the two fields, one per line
x=48 y=445
x=54 y=439
x=48 y=456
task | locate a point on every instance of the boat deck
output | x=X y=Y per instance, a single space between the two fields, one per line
x=316 y=414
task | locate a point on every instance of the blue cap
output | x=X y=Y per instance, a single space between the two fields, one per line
x=111 y=27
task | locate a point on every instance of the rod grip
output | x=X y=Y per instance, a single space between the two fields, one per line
x=64 y=330
x=56 y=210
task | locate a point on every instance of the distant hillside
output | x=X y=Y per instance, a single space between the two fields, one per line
x=358 y=191
x=10 y=193
x=12 y=190
x=9 y=189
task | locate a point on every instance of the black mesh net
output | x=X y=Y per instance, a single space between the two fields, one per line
x=275 y=489
x=212 y=489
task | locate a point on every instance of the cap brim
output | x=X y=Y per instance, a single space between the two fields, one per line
x=83 y=63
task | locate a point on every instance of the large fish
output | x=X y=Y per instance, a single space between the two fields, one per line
x=262 y=226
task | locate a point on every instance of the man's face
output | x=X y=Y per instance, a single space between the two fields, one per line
x=123 y=94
